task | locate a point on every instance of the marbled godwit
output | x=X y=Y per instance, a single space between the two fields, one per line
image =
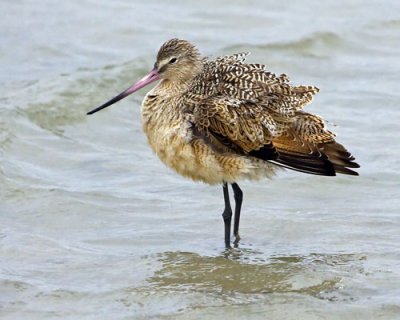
x=221 y=121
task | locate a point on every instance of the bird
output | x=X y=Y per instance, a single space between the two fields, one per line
x=224 y=120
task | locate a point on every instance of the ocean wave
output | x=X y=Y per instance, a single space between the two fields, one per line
x=318 y=44
x=66 y=99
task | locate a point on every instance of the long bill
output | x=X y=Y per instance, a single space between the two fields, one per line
x=151 y=77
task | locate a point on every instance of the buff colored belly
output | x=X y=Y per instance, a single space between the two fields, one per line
x=198 y=161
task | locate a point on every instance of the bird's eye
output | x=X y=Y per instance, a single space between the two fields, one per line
x=173 y=60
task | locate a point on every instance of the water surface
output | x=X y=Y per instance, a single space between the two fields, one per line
x=92 y=225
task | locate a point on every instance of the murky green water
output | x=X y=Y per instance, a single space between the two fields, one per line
x=93 y=226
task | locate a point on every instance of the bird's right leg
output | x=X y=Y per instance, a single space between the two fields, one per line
x=238 y=194
x=227 y=216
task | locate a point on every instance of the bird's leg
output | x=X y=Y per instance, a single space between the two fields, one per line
x=238 y=194
x=227 y=215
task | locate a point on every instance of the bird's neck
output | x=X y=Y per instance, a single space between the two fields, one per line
x=170 y=88
x=179 y=82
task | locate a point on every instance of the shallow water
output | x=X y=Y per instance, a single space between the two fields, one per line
x=93 y=226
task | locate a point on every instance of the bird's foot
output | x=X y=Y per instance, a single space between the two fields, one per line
x=236 y=241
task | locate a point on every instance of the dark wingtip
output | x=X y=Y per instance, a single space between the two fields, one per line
x=342 y=160
x=311 y=164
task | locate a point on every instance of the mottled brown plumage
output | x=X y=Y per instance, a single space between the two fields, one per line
x=237 y=109
x=225 y=120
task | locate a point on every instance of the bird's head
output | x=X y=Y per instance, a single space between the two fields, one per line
x=178 y=61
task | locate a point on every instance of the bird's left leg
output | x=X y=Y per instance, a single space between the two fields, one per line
x=227 y=216
x=238 y=194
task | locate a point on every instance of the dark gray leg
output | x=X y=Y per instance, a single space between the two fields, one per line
x=238 y=194
x=227 y=215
